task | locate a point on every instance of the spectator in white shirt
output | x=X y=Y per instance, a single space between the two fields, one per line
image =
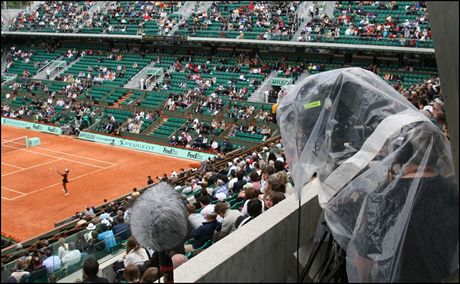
x=195 y=219
x=135 y=254
x=72 y=256
x=52 y=262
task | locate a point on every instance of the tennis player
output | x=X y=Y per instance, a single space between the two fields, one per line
x=65 y=180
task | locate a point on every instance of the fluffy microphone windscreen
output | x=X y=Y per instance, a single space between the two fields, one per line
x=159 y=218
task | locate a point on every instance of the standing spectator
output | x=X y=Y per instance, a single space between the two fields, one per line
x=90 y=270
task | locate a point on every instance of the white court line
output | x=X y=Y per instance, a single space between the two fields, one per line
x=41 y=148
x=26 y=150
x=60 y=152
x=9 y=199
x=12 y=165
x=80 y=176
x=13 y=190
x=34 y=166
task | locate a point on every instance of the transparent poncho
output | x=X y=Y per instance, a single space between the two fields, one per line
x=385 y=174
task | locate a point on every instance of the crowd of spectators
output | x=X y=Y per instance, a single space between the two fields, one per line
x=228 y=198
x=59 y=16
x=371 y=19
x=118 y=16
x=390 y=20
x=134 y=123
x=199 y=135
x=427 y=97
x=265 y=16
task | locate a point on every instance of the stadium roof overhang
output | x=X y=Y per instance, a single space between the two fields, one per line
x=227 y=41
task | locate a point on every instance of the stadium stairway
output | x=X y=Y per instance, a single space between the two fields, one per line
x=185 y=11
x=328 y=8
x=67 y=67
x=122 y=99
x=203 y=6
x=134 y=83
x=258 y=95
x=99 y=6
x=303 y=13
x=5 y=55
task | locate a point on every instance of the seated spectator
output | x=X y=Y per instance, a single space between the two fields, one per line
x=203 y=233
x=249 y=194
x=52 y=278
x=195 y=219
x=131 y=274
x=90 y=270
x=208 y=208
x=63 y=248
x=221 y=187
x=254 y=210
x=19 y=271
x=266 y=173
x=229 y=217
x=273 y=198
x=94 y=244
x=120 y=229
x=178 y=259
x=238 y=185
x=108 y=237
x=72 y=256
x=255 y=180
x=52 y=262
x=38 y=270
x=135 y=254
x=150 y=275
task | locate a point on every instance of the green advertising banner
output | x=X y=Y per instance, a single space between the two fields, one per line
x=146 y=147
x=281 y=81
x=33 y=126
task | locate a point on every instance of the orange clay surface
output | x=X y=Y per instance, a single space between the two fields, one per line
x=32 y=196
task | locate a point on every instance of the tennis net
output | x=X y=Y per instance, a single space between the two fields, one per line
x=14 y=144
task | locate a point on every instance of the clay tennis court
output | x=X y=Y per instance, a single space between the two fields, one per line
x=32 y=196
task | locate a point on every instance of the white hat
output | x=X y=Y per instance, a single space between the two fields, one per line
x=428 y=108
x=91 y=227
x=106 y=222
x=221 y=196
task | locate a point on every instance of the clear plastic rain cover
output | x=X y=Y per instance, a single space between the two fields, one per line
x=386 y=175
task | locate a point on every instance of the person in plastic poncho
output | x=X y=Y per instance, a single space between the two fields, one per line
x=385 y=176
x=404 y=228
